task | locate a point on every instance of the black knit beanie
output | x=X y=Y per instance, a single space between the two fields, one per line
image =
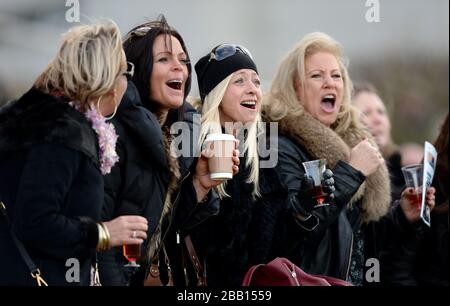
x=212 y=72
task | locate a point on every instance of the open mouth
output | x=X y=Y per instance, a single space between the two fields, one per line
x=175 y=84
x=249 y=104
x=328 y=102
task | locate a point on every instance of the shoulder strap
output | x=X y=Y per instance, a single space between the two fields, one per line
x=201 y=275
x=34 y=271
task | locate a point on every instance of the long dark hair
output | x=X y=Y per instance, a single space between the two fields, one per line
x=138 y=47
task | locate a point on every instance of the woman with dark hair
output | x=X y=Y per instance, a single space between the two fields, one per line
x=152 y=178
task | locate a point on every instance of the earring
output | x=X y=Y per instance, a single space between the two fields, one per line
x=115 y=108
x=98 y=105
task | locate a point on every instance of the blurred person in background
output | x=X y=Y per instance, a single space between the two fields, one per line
x=411 y=153
x=55 y=147
x=375 y=117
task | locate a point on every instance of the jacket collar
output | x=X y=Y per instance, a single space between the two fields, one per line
x=38 y=118
x=142 y=124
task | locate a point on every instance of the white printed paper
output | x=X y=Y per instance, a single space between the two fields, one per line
x=429 y=164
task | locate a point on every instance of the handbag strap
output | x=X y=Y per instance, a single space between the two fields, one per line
x=195 y=261
x=34 y=271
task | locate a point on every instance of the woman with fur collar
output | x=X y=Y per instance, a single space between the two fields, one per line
x=310 y=99
x=152 y=179
x=55 y=147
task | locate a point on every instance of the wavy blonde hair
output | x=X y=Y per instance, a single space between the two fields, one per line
x=87 y=65
x=282 y=99
x=211 y=124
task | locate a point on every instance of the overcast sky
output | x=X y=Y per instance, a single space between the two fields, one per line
x=30 y=30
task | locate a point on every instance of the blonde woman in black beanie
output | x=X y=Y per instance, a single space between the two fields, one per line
x=230 y=91
x=241 y=234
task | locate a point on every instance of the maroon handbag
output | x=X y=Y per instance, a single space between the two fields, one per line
x=282 y=272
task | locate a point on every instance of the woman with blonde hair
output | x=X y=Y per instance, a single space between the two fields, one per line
x=251 y=202
x=310 y=99
x=231 y=96
x=55 y=147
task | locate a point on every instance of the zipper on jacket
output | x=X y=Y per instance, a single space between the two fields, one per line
x=178 y=237
x=292 y=272
x=175 y=202
x=349 y=258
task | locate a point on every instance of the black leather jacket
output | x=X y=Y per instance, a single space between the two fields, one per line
x=325 y=246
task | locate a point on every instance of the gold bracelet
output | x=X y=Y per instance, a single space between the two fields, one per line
x=108 y=236
x=103 y=238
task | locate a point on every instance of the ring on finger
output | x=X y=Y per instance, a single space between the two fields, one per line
x=134 y=234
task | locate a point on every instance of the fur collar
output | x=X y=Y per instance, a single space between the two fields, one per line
x=38 y=118
x=322 y=142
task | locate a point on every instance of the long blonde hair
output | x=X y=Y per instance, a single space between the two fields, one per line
x=282 y=99
x=211 y=124
x=87 y=65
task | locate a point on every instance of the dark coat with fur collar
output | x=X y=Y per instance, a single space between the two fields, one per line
x=52 y=186
x=362 y=204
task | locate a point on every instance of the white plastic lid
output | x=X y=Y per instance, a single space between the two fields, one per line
x=214 y=137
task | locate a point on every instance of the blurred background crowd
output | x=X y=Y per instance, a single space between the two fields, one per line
x=404 y=53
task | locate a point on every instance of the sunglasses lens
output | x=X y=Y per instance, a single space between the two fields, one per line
x=139 y=32
x=226 y=50
x=130 y=71
x=142 y=31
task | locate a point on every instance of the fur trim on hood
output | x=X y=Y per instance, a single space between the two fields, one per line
x=322 y=142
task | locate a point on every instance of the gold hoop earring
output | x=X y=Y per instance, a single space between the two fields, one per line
x=98 y=105
x=115 y=109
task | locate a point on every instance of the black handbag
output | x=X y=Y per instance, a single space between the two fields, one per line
x=34 y=271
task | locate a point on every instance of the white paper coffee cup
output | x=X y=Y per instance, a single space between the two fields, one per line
x=220 y=162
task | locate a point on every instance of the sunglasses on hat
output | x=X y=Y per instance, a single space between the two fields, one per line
x=226 y=50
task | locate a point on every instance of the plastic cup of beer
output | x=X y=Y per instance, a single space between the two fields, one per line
x=132 y=252
x=413 y=175
x=220 y=152
x=315 y=169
